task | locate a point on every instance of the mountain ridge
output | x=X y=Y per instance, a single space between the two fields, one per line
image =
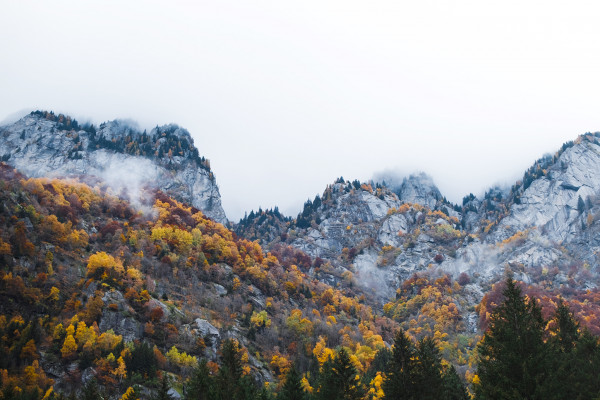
x=44 y=144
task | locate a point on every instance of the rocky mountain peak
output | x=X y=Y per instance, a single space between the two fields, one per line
x=116 y=152
x=556 y=191
x=419 y=188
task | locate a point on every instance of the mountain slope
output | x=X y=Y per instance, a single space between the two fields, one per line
x=43 y=144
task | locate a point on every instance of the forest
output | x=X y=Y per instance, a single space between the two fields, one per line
x=100 y=300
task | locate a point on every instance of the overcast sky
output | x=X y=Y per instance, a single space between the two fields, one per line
x=283 y=96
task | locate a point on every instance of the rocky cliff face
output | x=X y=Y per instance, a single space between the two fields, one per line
x=420 y=189
x=557 y=201
x=543 y=228
x=127 y=160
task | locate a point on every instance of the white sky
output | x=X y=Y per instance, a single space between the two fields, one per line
x=283 y=97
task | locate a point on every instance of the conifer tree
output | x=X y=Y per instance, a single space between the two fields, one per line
x=163 y=390
x=561 y=359
x=454 y=389
x=427 y=371
x=91 y=391
x=339 y=379
x=201 y=385
x=511 y=353
x=292 y=388
x=231 y=383
x=398 y=384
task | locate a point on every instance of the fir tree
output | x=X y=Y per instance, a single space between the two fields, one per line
x=201 y=386
x=427 y=371
x=399 y=374
x=163 y=390
x=511 y=364
x=339 y=379
x=91 y=391
x=292 y=388
x=561 y=357
x=231 y=383
x=454 y=388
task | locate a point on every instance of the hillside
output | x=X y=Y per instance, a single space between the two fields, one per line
x=145 y=290
x=43 y=144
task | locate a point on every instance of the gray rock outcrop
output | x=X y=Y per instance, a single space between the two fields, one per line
x=40 y=147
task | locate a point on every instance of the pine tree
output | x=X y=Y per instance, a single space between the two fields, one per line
x=561 y=358
x=231 y=383
x=584 y=365
x=91 y=391
x=567 y=329
x=292 y=388
x=399 y=374
x=511 y=353
x=339 y=379
x=580 y=205
x=454 y=388
x=427 y=371
x=163 y=390
x=201 y=386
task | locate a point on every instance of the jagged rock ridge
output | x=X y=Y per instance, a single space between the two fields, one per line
x=43 y=144
x=546 y=221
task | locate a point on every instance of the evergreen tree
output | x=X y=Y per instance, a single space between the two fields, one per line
x=398 y=384
x=292 y=388
x=91 y=391
x=511 y=353
x=427 y=372
x=580 y=205
x=454 y=388
x=561 y=358
x=163 y=390
x=584 y=365
x=201 y=386
x=231 y=383
x=567 y=329
x=339 y=379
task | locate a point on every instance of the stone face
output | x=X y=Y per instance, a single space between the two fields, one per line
x=419 y=189
x=127 y=327
x=207 y=329
x=551 y=202
x=37 y=147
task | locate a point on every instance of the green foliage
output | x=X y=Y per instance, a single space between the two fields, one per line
x=511 y=356
x=452 y=387
x=292 y=388
x=339 y=379
x=416 y=372
x=163 y=390
x=91 y=391
x=399 y=382
x=201 y=385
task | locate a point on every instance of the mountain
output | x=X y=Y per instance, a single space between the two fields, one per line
x=126 y=281
x=116 y=153
x=548 y=218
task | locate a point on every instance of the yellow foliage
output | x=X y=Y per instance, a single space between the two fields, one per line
x=121 y=370
x=58 y=332
x=236 y=283
x=69 y=346
x=306 y=385
x=129 y=394
x=375 y=389
x=108 y=340
x=280 y=365
x=102 y=263
x=322 y=352
x=181 y=359
x=302 y=327
x=260 y=320
x=54 y=293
